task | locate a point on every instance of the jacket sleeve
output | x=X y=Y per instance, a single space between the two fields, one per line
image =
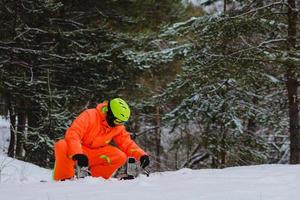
x=127 y=145
x=76 y=132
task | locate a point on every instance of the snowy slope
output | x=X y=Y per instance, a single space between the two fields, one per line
x=13 y=171
x=21 y=181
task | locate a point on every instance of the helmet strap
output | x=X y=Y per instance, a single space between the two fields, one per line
x=110 y=116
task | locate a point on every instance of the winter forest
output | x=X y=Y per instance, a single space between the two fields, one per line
x=211 y=83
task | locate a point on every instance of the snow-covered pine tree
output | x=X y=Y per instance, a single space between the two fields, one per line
x=60 y=57
x=231 y=80
x=228 y=98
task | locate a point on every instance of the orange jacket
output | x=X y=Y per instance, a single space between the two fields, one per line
x=91 y=130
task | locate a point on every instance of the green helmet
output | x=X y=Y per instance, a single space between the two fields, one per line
x=120 y=109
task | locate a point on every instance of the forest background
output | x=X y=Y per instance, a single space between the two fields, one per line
x=209 y=86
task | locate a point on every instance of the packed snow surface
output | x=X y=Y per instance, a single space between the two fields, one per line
x=21 y=181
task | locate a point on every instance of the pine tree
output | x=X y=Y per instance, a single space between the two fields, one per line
x=230 y=87
x=292 y=84
x=61 y=57
x=242 y=52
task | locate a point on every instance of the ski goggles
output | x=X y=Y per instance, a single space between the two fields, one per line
x=118 y=121
x=112 y=121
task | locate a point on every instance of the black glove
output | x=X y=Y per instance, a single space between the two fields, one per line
x=82 y=160
x=145 y=161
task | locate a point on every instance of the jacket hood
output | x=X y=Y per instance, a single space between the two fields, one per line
x=102 y=109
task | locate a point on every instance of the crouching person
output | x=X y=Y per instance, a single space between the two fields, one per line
x=87 y=142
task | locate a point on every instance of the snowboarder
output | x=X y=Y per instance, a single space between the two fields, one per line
x=87 y=142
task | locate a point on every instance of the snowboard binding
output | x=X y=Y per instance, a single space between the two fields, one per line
x=132 y=170
x=82 y=172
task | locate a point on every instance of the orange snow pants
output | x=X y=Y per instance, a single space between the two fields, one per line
x=103 y=161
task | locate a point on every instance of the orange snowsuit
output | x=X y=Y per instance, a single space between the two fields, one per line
x=90 y=134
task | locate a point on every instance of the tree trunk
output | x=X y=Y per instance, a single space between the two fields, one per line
x=292 y=87
x=12 y=141
x=223 y=153
x=176 y=158
x=20 y=132
x=3 y=106
x=12 y=117
x=158 y=138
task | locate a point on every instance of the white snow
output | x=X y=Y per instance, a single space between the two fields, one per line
x=216 y=7
x=4 y=134
x=21 y=181
x=13 y=171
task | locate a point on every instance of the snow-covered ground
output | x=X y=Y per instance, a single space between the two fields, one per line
x=21 y=181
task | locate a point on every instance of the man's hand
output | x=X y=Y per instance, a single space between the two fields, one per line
x=145 y=161
x=81 y=159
